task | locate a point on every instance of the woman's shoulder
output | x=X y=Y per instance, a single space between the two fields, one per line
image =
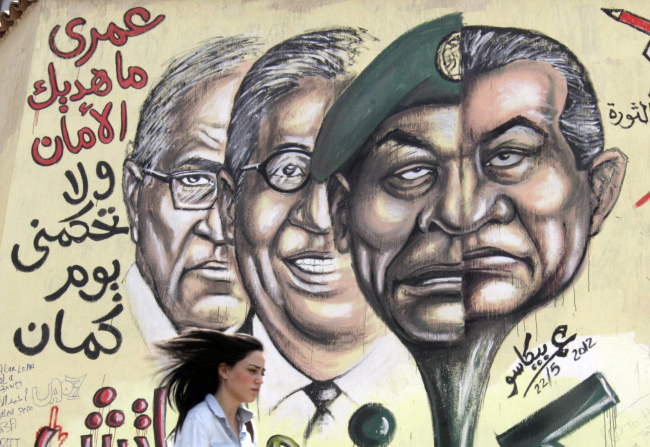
x=198 y=427
x=199 y=412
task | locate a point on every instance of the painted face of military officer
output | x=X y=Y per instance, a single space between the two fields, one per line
x=182 y=249
x=469 y=211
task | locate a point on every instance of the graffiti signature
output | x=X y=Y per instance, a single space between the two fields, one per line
x=538 y=360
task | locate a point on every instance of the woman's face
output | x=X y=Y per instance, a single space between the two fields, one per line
x=244 y=380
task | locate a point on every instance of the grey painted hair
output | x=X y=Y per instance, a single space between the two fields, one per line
x=216 y=57
x=486 y=48
x=326 y=53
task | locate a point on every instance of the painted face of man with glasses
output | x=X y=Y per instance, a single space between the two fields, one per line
x=304 y=290
x=182 y=251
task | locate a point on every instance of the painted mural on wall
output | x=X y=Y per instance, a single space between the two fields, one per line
x=433 y=218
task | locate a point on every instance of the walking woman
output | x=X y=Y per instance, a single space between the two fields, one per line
x=211 y=375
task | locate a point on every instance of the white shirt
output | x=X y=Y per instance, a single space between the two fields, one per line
x=206 y=425
x=387 y=375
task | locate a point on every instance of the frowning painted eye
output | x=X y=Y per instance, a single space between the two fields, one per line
x=194 y=180
x=412 y=180
x=414 y=173
x=505 y=159
x=194 y=190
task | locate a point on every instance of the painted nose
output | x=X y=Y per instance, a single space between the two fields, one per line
x=211 y=226
x=312 y=212
x=215 y=224
x=464 y=203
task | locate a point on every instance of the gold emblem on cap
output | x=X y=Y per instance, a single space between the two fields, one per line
x=448 y=57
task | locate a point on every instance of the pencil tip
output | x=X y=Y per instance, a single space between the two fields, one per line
x=613 y=13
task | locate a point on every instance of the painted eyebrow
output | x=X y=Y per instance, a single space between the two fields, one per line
x=256 y=366
x=202 y=163
x=304 y=147
x=405 y=138
x=514 y=122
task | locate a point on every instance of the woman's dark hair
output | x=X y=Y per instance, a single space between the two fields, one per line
x=193 y=372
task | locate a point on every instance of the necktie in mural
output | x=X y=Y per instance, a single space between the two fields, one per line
x=322 y=394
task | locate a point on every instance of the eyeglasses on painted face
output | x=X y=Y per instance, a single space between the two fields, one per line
x=191 y=190
x=286 y=170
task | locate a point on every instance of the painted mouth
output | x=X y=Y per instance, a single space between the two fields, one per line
x=428 y=304
x=491 y=259
x=313 y=272
x=314 y=263
x=214 y=270
x=434 y=280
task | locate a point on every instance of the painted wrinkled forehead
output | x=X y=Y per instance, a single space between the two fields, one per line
x=421 y=67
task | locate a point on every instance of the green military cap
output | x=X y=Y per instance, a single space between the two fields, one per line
x=421 y=67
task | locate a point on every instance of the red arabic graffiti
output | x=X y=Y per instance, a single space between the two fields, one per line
x=116 y=35
x=86 y=137
x=48 y=150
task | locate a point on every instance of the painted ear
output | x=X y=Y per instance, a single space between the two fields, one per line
x=339 y=202
x=606 y=174
x=131 y=181
x=226 y=205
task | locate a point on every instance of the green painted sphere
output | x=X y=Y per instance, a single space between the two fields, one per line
x=372 y=425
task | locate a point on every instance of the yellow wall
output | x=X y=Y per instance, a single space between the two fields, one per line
x=606 y=301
